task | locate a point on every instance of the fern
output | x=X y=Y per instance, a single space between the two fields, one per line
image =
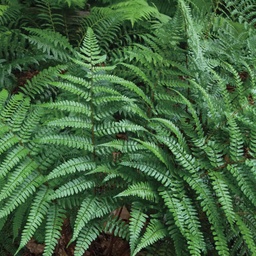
x=54 y=223
x=213 y=215
x=155 y=231
x=88 y=234
x=37 y=212
x=73 y=187
x=37 y=84
x=117 y=227
x=17 y=177
x=67 y=140
x=84 y=215
x=13 y=159
x=72 y=166
x=221 y=189
x=138 y=219
x=53 y=44
x=142 y=190
x=18 y=219
x=131 y=10
x=180 y=210
x=128 y=106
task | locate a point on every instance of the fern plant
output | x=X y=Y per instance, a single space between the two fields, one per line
x=167 y=130
x=27 y=164
x=198 y=141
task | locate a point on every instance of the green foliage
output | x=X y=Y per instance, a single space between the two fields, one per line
x=129 y=107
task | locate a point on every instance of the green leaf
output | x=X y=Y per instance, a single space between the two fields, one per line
x=38 y=210
x=154 y=232
x=54 y=222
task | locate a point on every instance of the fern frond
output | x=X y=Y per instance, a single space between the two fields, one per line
x=122 y=145
x=156 y=171
x=194 y=39
x=252 y=146
x=76 y=80
x=136 y=224
x=185 y=159
x=70 y=106
x=54 y=222
x=7 y=141
x=117 y=127
x=157 y=151
x=127 y=84
x=245 y=183
x=51 y=43
x=71 y=141
x=237 y=80
x=88 y=234
x=142 y=189
x=18 y=219
x=106 y=24
x=17 y=177
x=144 y=55
x=3 y=8
x=176 y=236
x=72 y=89
x=214 y=153
x=40 y=82
x=236 y=142
x=222 y=191
x=73 y=165
x=48 y=16
x=207 y=98
x=134 y=109
x=173 y=128
x=12 y=105
x=192 y=110
x=13 y=158
x=140 y=74
x=76 y=3
x=48 y=156
x=154 y=232
x=247 y=234
x=242 y=11
x=3 y=97
x=135 y=10
x=38 y=210
x=91 y=50
x=18 y=117
x=209 y=207
x=21 y=193
x=73 y=187
x=72 y=122
x=86 y=213
x=109 y=100
x=181 y=207
x=30 y=124
x=10 y=10
x=117 y=227
x=161 y=248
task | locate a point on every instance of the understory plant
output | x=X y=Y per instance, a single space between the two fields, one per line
x=158 y=118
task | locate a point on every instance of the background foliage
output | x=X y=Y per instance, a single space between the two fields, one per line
x=148 y=105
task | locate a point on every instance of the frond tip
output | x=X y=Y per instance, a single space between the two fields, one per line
x=142 y=189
